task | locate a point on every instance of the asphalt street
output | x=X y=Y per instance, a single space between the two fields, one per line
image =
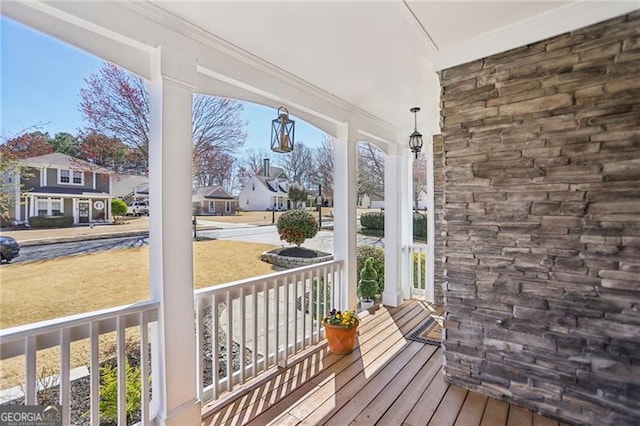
x=50 y=251
x=323 y=241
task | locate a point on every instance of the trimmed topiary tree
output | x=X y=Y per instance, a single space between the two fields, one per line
x=118 y=208
x=368 y=284
x=295 y=226
x=377 y=255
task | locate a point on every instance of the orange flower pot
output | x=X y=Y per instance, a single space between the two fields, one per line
x=341 y=340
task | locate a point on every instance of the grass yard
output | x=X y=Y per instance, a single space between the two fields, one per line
x=37 y=291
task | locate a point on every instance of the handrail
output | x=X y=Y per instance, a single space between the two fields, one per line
x=11 y=339
x=256 y=324
x=223 y=288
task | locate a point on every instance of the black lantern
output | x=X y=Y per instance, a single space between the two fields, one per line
x=282 y=132
x=415 y=139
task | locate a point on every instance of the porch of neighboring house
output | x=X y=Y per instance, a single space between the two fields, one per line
x=387 y=380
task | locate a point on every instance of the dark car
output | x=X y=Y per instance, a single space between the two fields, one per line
x=9 y=248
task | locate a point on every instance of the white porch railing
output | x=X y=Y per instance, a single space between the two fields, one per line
x=258 y=323
x=419 y=281
x=268 y=319
x=59 y=333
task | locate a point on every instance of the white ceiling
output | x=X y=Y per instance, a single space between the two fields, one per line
x=381 y=56
x=332 y=60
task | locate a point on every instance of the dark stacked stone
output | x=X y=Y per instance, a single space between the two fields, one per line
x=538 y=224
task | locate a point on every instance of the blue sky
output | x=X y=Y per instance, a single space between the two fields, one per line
x=41 y=79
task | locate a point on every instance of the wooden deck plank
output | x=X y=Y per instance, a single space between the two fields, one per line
x=336 y=393
x=328 y=363
x=370 y=403
x=400 y=409
x=353 y=397
x=375 y=353
x=472 y=409
x=387 y=380
x=449 y=407
x=495 y=413
x=539 y=420
x=428 y=402
x=519 y=416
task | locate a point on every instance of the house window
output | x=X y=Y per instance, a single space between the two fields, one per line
x=78 y=178
x=43 y=207
x=50 y=207
x=212 y=206
x=56 y=207
x=227 y=206
x=73 y=177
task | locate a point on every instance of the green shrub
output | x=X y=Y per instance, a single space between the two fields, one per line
x=377 y=255
x=419 y=225
x=419 y=265
x=295 y=226
x=372 y=220
x=368 y=284
x=51 y=221
x=118 y=208
x=375 y=221
x=109 y=392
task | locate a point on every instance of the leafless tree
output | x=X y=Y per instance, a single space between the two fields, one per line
x=370 y=170
x=323 y=166
x=116 y=103
x=298 y=163
x=419 y=178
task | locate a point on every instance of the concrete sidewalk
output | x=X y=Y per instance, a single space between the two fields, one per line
x=130 y=227
x=135 y=226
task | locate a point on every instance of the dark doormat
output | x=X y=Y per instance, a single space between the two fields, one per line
x=430 y=332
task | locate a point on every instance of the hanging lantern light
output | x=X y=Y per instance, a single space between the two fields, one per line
x=415 y=139
x=282 y=132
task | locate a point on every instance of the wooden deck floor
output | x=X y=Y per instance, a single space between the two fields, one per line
x=387 y=380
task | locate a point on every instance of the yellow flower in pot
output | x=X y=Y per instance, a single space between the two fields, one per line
x=341 y=329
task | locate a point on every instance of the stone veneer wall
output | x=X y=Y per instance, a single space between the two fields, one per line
x=540 y=233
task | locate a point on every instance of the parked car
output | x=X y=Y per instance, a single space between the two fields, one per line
x=9 y=248
x=138 y=208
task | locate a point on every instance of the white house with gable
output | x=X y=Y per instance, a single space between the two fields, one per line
x=268 y=191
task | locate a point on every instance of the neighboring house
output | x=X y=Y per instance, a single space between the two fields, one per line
x=268 y=191
x=59 y=185
x=213 y=200
x=130 y=188
x=372 y=202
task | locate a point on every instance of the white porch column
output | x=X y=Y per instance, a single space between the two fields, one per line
x=17 y=197
x=76 y=217
x=431 y=221
x=108 y=217
x=174 y=399
x=344 y=224
x=397 y=226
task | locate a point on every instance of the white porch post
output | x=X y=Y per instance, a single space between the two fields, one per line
x=17 y=197
x=174 y=399
x=431 y=221
x=397 y=226
x=344 y=225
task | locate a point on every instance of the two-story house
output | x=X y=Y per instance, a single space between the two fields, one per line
x=267 y=190
x=59 y=185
